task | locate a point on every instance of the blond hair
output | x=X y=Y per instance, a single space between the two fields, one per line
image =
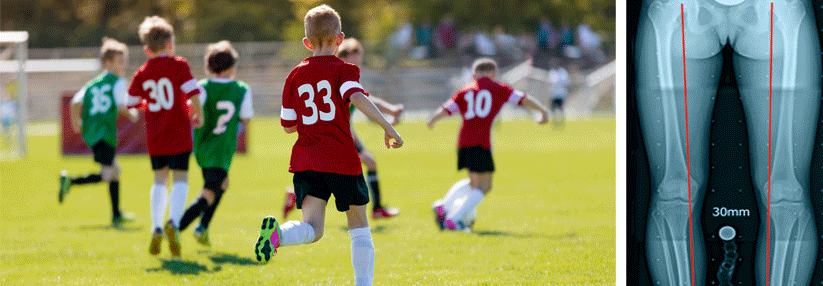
x=155 y=33
x=111 y=48
x=322 y=25
x=349 y=47
x=219 y=57
x=484 y=65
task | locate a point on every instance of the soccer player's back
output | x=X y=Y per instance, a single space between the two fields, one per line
x=94 y=111
x=478 y=103
x=226 y=103
x=164 y=84
x=324 y=160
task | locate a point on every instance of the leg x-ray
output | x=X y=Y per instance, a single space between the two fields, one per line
x=723 y=110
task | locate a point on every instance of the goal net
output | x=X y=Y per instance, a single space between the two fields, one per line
x=13 y=94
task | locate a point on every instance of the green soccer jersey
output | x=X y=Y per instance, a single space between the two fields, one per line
x=100 y=98
x=225 y=102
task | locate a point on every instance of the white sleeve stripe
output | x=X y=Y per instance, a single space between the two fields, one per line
x=451 y=106
x=246 y=110
x=189 y=86
x=288 y=114
x=346 y=86
x=133 y=100
x=516 y=96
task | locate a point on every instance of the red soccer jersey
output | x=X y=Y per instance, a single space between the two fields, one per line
x=164 y=84
x=478 y=103
x=316 y=100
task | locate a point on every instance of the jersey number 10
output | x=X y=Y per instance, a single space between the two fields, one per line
x=479 y=106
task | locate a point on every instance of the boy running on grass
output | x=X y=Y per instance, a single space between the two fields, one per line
x=164 y=84
x=351 y=51
x=226 y=103
x=324 y=160
x=94 y=112
x=479 y=103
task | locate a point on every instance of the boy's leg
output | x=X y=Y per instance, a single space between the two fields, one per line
x=460 y=189
x=362 y=247
x=221 y=184
x=177 y=201
x=378 y=210
x=481 y=185
x=196 y=208
x=273 y=235
x=111 y=174
x=213 y=183
x=290 y=202
x=158 y=197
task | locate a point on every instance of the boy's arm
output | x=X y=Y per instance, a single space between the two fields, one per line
x=367 y=107
x=246 y=109
x=384 y=106
x=440 y=114
x=121 y=98
x=532 y=103
x=196 y=116
x=74 y=111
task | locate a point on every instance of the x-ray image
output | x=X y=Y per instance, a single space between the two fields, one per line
x=725 y=142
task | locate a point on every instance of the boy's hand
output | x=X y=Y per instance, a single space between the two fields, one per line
x=196 y=120
x=77 y=125
x=391 y=133
x=544 y=117
x=133 y=115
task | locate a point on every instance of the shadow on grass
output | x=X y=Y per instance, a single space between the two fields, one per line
x=110 y=227
x=182 y=267
x=231 y=258
x=521 y=235
x=374 y=229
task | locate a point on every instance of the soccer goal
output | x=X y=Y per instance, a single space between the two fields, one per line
x=13 y=94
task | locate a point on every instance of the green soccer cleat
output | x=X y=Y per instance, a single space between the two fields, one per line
x=156 y=239
x=117 y=221
x=173 y=234
x=269 y=240
x=201 y=235
x=65 y=183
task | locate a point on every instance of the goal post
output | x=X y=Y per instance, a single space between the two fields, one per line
x=14 y=100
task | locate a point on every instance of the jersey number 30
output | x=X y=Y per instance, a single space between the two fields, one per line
x=162 y=93
x=308 y=89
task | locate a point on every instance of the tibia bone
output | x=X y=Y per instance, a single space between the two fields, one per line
x=790 y=222
x=669 y=234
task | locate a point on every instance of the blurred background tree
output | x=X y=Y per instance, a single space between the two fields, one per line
x=69 y=23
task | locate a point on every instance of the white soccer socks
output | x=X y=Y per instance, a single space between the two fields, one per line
x=362 y=256
x=459 y=189
x=474 y=198
x=295 y=232
x=158 y=205
x=177 y=202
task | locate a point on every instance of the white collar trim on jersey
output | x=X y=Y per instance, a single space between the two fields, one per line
x=221 y=80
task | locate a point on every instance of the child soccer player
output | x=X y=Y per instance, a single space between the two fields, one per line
x=164 y=84
x=324 y=160
x=559 y=82
x=226 y=103
x=479 y=103
x=100 y=100
x=351 y=51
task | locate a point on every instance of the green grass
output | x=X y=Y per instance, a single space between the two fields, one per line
x=550 y=217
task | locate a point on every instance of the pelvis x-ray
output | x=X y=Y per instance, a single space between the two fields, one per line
x=725 y=162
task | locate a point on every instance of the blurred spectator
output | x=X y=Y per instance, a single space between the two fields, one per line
x=446 y=34
x=483 y=44
x=526 y=42
x=424 y=39
x=547 y=37
x=589 y=43
x=401 y=39
x=507 y=46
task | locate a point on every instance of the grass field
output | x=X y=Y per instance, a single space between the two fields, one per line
x=549 y=220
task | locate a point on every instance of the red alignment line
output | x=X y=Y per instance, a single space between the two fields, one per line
x=769 y=175
x=688 y=160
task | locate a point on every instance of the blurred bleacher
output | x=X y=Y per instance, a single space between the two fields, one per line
x=420 y=86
